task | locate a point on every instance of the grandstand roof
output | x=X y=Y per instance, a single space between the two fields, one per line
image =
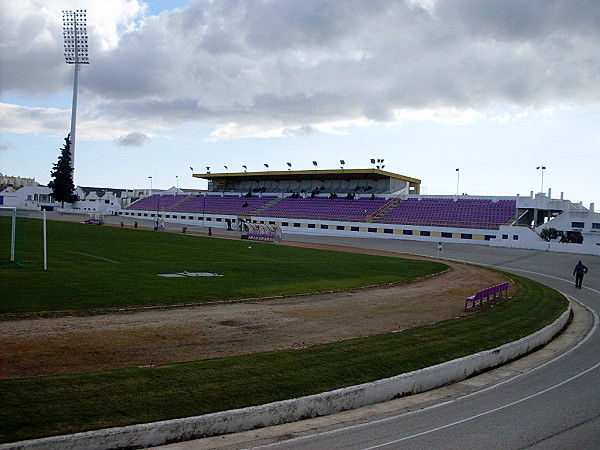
x=336 y=174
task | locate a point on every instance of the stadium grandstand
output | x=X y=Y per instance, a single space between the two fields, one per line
x=375 y=203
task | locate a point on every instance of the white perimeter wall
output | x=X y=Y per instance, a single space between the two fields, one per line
x=506 y=236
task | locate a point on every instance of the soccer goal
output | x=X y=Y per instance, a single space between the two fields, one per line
x=12 y=236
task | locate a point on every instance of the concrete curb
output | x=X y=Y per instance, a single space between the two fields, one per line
x=234 y=421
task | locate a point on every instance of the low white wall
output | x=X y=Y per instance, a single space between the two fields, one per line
x=506 y=236
x=159 y=433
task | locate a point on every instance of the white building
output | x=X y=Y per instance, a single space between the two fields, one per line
x=91 y=200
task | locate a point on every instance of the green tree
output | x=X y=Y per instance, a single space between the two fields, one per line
x=548 y=234
x=63 y=189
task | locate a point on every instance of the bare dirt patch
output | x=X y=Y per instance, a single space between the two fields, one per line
x=61 y=345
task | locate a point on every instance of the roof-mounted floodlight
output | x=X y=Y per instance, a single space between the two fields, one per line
x=245 y=168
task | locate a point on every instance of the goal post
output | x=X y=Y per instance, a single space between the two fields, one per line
x=12 y=235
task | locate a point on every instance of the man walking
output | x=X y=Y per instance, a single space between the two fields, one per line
x=579 y=271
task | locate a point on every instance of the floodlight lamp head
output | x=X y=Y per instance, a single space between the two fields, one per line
x=266 y=165
x=342 y=162
x=75 y=37
x=372 y=161
x=314 y=163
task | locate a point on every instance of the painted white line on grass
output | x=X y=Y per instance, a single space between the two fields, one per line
x=97 y=257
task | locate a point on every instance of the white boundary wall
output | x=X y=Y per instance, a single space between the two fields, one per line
x=506 y=236
x=234 y=421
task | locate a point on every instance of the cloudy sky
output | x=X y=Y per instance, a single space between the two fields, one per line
x=495 y=88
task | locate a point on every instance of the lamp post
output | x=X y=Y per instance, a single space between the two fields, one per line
x=542 y=168
x=343 y=163
x=150 y=185
x=177 y=182
x=76 y=53
x=457 y=179
x=289 y=165
x=245 y=168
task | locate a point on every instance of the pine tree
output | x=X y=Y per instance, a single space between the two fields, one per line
x=63 y=189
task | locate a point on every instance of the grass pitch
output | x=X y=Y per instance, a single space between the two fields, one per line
x=93 y=268
x=98 y=267
x=45 y=406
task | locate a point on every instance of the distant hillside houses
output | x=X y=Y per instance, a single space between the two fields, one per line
x=13 y=182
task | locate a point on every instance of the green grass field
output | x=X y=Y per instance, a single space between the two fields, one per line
x=95 y=267
x=45 y=406
x=99 y=267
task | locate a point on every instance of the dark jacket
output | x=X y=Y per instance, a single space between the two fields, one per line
x=580 y=269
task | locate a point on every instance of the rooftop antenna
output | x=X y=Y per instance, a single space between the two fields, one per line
x=76 y=53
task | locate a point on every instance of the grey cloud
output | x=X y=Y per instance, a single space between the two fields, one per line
x=5 y=146
x=301 y=131
x=132 y=140
x=297 y=64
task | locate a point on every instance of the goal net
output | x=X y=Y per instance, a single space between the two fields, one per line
x=12 y=237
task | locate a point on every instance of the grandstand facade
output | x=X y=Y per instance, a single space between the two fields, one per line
x=374 y=203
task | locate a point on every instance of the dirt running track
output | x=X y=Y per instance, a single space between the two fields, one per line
x=61 y=345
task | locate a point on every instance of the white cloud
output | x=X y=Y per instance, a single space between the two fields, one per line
x=281 y=68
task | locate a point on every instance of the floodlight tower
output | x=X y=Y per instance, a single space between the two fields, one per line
x=76 y=53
